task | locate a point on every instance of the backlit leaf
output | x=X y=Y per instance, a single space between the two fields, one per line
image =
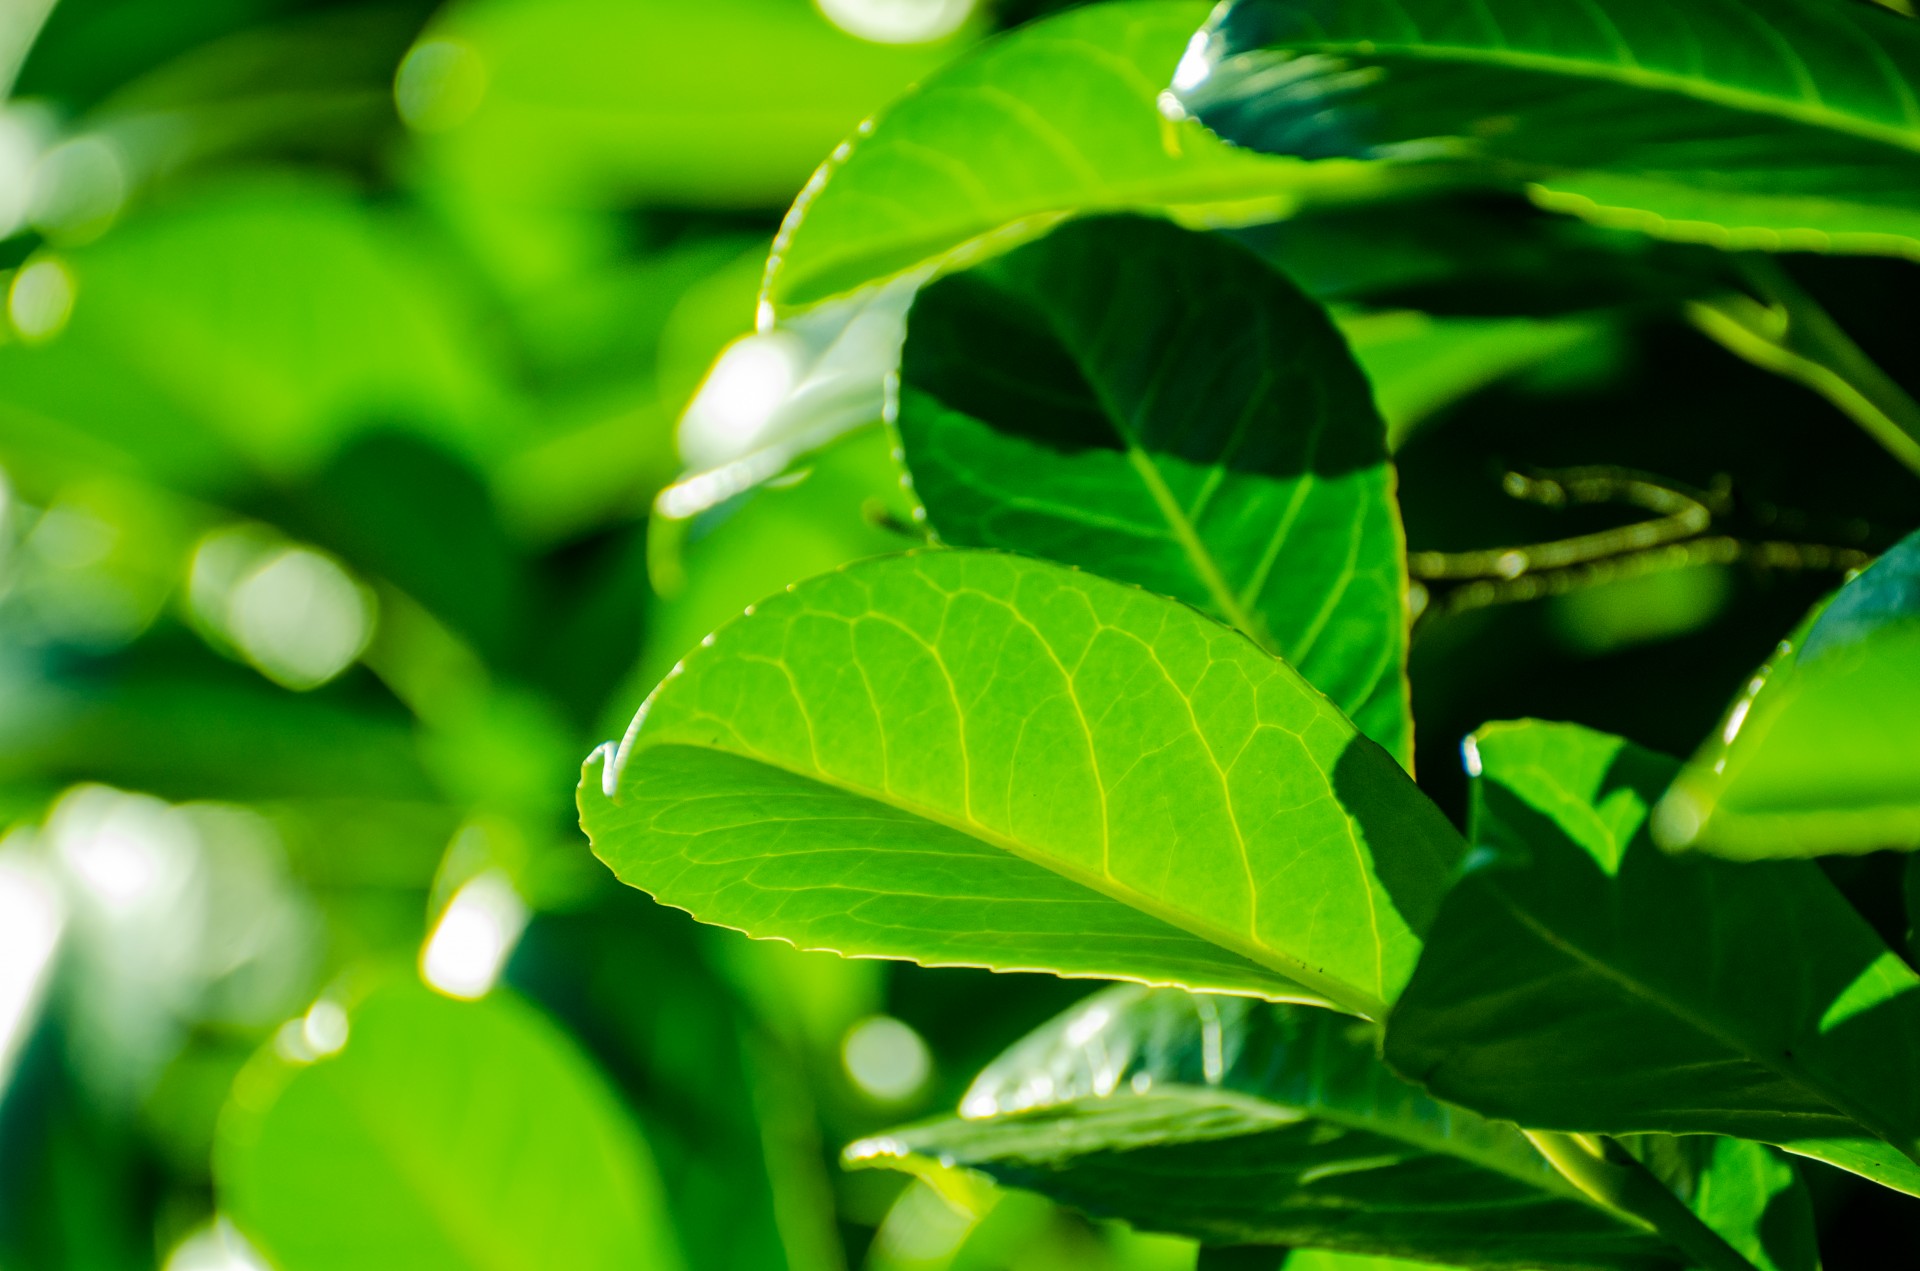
x=970 y=758
x=1052 y=120
x=1818 y=755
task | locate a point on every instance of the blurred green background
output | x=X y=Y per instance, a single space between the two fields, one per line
x=344 y=352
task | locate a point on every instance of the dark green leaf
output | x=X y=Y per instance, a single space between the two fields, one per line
x=1157 y=406
x=1052 y=120
x=1762 y=123
x=1580 y=979
x=445 y=1135
x=1818 y=754
x=971 y=758
x=1242 y=1122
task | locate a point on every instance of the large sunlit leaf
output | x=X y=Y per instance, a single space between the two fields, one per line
x=442 y=1135
x=972 y=758
x=1055 y=119
x=1159 y=407
x=1822 y=752
x=1763 y=123
x=1241 y=1122
x=1580 y=979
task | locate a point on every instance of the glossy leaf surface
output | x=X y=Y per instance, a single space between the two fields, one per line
x=1159 y=407
x=1819 y=754
x=972 y=758
x=1052 y=120
x=1766 y=123
x=1580 y=979
x=1241 y=1122
x=444 y=1135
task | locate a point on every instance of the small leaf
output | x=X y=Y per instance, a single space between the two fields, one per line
x=1158 y=406
x=975 y=759
x=443 y=1135
x=1048 y=121
x=1239 y=1122
x=1818 y=755
x=1580 y=979
x=1759 y=124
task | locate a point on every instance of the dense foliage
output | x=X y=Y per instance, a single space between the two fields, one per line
x=1045 y=552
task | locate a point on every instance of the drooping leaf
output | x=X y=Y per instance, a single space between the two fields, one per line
x=1580 y=979
x=1818 y=755
x=971 y=758
x=444 y=1135
x=1052 y=120
x=1157 y=406
x=1761 y=124
x=1240 y=1122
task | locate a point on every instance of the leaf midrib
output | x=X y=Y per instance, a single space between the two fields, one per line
x=1813 y=114
x=1345 y=996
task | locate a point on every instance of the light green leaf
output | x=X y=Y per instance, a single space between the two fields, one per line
x=1580 y=979
x=977 y=759
x=1242 y=1122
x=444 y=1136
x=1052 y=120
x=1817 y=755
x=1158 y=406
x=1758 y=124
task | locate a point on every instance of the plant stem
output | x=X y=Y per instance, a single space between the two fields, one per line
x=1791 y=335
x=1608 y=1174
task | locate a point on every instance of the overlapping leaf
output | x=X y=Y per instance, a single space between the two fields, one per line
x=1157 y=406
x=1580 y=979
x=446 y=1135
x=1052 y=120
x=965 y=757
x=1822 y=752
x=1240 y=1122
x=1764 y=123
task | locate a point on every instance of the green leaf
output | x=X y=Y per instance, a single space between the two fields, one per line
x=1817 y=755
x=976 y=759
x=1760 y=124
x=445 y=1135
x=1051 y=120
x=1580 y=979
x=1159 y=407
x=1419 y=364
x=1240 y=1122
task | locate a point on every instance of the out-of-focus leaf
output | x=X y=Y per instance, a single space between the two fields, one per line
x=1419 y=365
x=968 y=758
x=443 y=1135
x=1241 y=1122
x=1580 y=979
x=246 y=330
x=608 y=103
x=1818 y=754
x=1156 y=406
x=1052 y=120
x=1751 y=125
